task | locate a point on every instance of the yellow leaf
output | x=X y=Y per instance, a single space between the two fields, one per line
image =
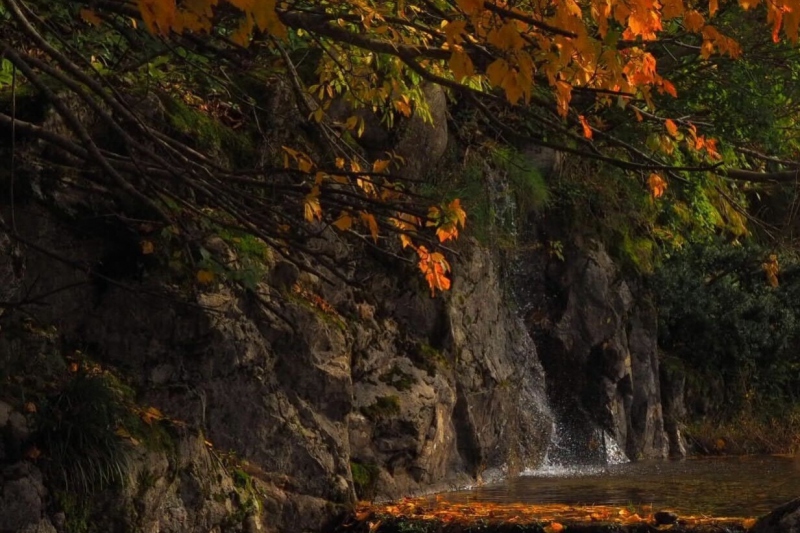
x=266 y=18
x=461 y=64
x=204 y=277
x=497 y=71
x=351 y=123
x=88 y=15
x=312 y=207
x=147 y=247
x=749 y=523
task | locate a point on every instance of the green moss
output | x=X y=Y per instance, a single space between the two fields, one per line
x=207 y=133
x=242 y=479
x=384 y=407
x=398 y=379
x=365 y=477
x=428 y=358
x=77 y=511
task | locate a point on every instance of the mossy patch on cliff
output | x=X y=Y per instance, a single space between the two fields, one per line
x=398 y=379
x=365 y=477
x=384 y=407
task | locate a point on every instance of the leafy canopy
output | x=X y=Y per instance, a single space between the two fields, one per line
x=596 y=78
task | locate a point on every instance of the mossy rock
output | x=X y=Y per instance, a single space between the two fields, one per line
x=398 y=379
x=365 y=477
x=385 y=407
x=208 y=134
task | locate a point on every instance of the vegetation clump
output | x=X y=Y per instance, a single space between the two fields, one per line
x=398 y=379
x=365 y=476
x=383 y=408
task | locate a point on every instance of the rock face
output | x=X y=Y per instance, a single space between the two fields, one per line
x=597 y=340
x=324 y=389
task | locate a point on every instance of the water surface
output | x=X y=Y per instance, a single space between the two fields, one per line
x=723 y=486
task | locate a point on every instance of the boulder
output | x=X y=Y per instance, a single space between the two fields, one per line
x=784 y=519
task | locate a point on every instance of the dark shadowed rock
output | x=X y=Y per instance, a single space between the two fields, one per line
x=598 y=339
x=784 y=519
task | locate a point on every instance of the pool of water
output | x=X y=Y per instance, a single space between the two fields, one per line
x=723 y=486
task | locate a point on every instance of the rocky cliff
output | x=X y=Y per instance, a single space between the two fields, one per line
x=319 y=389
x=595 y=329
x=133 y=400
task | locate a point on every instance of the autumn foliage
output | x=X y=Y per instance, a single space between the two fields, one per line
x=566 y=74
x=474 y=46
x=554 y=518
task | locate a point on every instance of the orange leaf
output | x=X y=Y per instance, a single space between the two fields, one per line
x=657 y=185
x=371 y=223
x=30 y=407
x=88 y=15
x=344 y=222
x=693 y=20
x=380 y=165
x=147 y=247
x=587 y=131
x=311 y=206
x=554 y=527
x=672 y=128
x=150 y=414
x=204 y=277
x=470 y=7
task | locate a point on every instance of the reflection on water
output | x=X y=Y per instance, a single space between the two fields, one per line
x=726 y=486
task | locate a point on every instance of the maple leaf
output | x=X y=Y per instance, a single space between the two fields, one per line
x=461 y=64
x=693 y=20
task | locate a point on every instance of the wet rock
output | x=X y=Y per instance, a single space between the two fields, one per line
x=663 y=518
x=600 y=355
x=784 y=519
